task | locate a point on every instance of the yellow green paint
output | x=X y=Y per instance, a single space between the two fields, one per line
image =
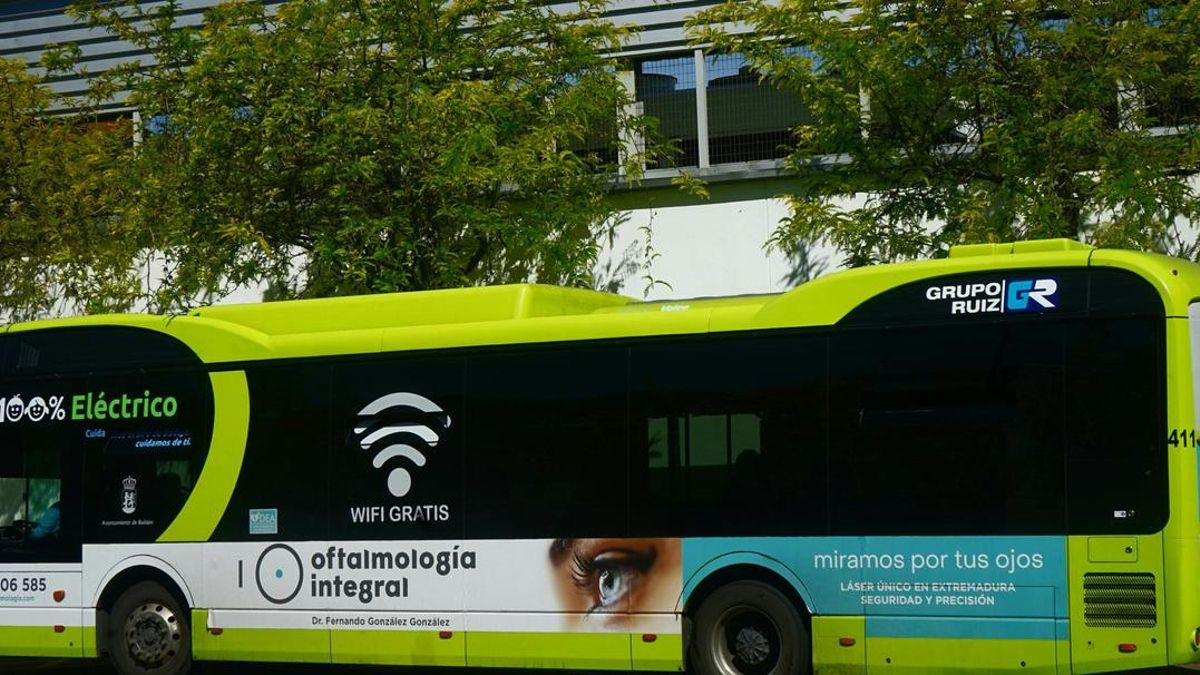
x=258 y=644
x=1094 y=649
x=91 y=648
x=604 y=651
x=830 y=657
x=927 y=655
x=1181 y=538
x=231 y=423
x=1112 y=549
x=41 y=641
x=665 y=653
x=956 y=655
x=600 y=651
x=398 y=648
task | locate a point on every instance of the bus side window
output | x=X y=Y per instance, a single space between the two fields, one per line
x=146 y=436
x=14 y=490
x=729 y=436
x=547 y=434
x=81 y=350
x=720 y=453
x=38 y=499
x=950 y=429
x=1116 y=450
x=285 y=471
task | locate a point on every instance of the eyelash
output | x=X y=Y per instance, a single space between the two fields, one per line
x=586 y=571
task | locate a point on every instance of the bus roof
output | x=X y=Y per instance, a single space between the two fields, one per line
x=523 y=313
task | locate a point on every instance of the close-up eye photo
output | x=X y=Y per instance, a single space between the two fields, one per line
x=616 y=576
x=607 y=577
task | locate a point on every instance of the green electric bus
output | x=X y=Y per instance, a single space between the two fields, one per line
x=981 y=463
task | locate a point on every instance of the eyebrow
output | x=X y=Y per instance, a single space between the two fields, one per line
x=559 y=549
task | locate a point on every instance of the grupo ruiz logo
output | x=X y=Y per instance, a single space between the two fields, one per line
x=997 y=297
x=399 y=426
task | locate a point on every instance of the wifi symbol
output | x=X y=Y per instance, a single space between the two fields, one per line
x=394 y=422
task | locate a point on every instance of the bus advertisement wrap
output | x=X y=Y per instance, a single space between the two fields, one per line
x=1017 y=577
x=585 y=585
x=595 y=585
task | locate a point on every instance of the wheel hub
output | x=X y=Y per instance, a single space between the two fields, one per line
x=151 y=634
x=746 y=642
x=751 y=646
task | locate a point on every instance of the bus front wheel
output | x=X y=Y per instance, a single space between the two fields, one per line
x=149 y=632
x=749 y=628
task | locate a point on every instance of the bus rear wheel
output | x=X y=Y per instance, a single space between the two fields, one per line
x=749 y=628
x=149 y=632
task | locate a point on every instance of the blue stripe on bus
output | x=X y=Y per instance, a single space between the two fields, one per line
x=1013 y=577
x=987 y=629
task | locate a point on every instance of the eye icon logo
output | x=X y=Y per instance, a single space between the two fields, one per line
x=397 y=426
x=279 y=573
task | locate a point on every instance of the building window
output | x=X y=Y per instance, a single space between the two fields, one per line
x=748 y=118
x=666 y=90
x=733 y=116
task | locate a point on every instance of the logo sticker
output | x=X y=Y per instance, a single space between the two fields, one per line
x=399 y=426
x=1040 y=292
x=997 y=297
x=279 y=574
x=129 y=495
x=264 y=521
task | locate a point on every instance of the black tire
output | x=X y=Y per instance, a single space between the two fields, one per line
x=149 y=633
x=749 y=628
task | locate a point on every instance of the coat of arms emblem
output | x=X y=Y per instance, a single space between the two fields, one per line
x=129 y=495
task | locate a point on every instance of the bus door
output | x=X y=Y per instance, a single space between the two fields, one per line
x=40 y=484
x=259 y=599
x=1117 y=493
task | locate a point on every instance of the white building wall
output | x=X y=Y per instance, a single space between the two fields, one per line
x=706 y=250
x=698 y=250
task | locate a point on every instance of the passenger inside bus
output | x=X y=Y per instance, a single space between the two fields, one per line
x=47 y=526
x=17 y=532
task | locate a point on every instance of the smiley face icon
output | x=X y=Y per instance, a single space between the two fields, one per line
x=36 y=410
x=15 y=408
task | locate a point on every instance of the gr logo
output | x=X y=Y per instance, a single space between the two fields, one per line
x=996 y=297
x=279 y=574
x=1031 y=295
x=399 y=426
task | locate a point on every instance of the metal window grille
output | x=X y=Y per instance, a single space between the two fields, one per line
x=666 y=87
x=748 y=118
